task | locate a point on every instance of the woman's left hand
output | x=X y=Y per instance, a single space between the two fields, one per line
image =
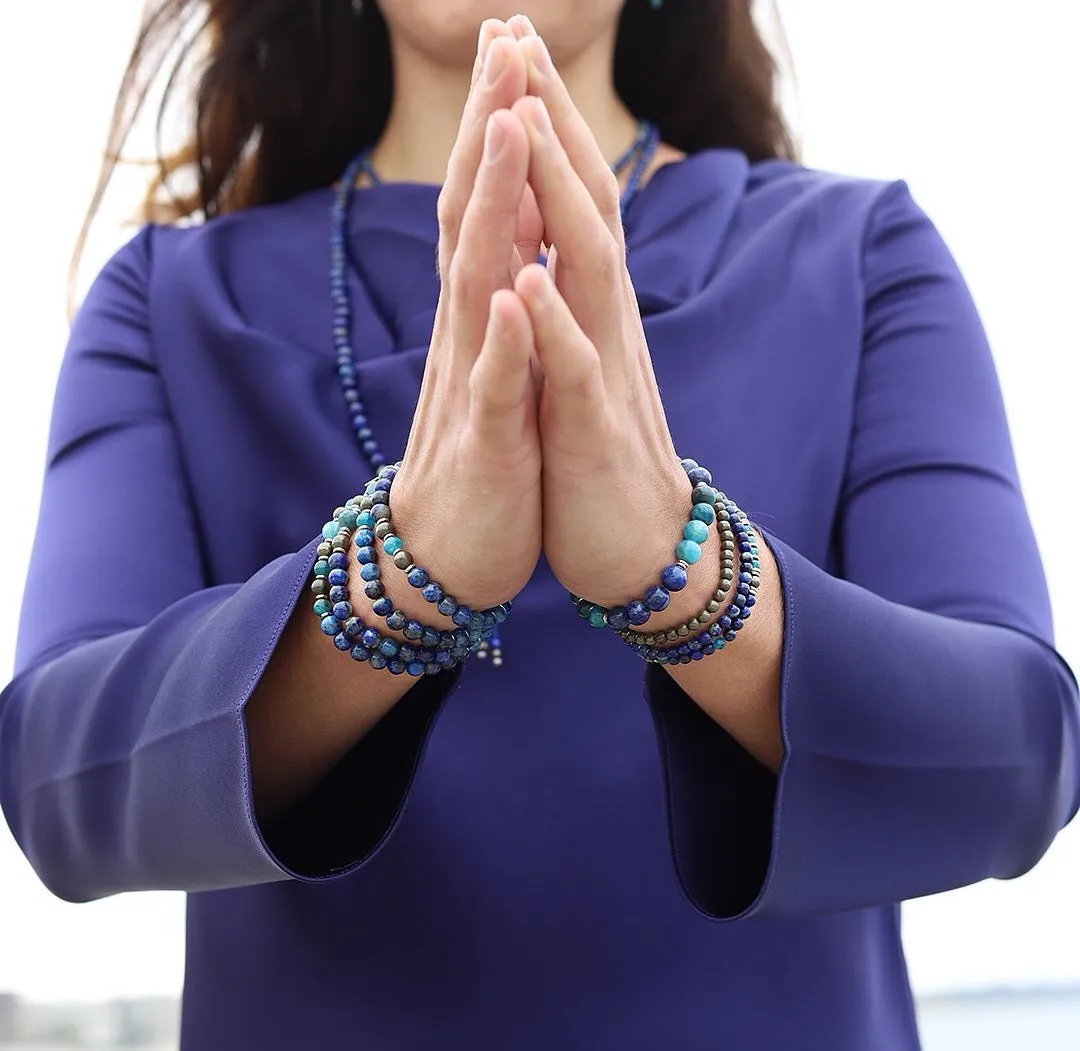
x=614 y=495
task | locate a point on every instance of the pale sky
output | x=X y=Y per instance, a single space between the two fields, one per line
x=973 y=103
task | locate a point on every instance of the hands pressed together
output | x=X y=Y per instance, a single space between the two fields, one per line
x=539 y=415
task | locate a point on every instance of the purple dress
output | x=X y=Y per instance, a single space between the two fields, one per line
x=560 y=853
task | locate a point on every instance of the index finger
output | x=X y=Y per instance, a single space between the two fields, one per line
x=500 y=82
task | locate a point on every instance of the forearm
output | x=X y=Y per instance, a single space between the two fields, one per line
x=738 y=688
x=313 y=704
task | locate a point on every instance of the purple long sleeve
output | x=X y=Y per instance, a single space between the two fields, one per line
x=931 y=733
x=123 y=763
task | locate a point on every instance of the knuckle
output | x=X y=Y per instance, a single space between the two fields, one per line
x=447 y=211
x=608 y=195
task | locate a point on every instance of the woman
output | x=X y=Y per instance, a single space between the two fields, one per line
x=397 y=846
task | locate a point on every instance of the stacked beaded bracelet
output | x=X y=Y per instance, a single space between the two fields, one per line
x=427 y=650
x=690 y=643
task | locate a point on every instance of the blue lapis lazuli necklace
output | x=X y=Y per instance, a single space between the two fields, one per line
x=636 y=159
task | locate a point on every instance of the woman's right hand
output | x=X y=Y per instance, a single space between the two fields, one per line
x=467 y=498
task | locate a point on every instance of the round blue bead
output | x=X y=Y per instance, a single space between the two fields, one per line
x=447 y=606
x=331 y=530
x=343 y=642
x=432 y=592
x=370 y=572
x=407 y=653
x=597 y=617
x=360 y=653
x=396 y=667
x=337 y=578
x=373 y=589
x=430 y=638
x=382 y=607
x=674 y=577
x=388 y=648
x=432 y=669
x=397 y=620
x=339 y=595
x=657 y=598
x=703 y=494
x=416 y=668
x=698 y=475
x=461 y=616
x=417 y=577
x=413 y=630
x=366 y=555
x=343 y=611
x=329 y=626
x=348 y=518
x=354 y=627
x=696 y=531
x=637 y=612
x=364 y=538
x=370 y=638
x=688 y=551
x=382 y=485
x=443 y=657
x=392 y=544
x=687 y=464
x=617 y=618
x=323 y=607
x=703 y=513
x=366 y=520
x=338 y=560
x=378 y=661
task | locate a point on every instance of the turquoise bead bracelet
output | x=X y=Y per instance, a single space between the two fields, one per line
x=674 y=577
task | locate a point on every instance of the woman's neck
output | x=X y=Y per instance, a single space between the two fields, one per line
x=429 y=99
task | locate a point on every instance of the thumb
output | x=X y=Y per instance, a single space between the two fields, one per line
x=502 y=392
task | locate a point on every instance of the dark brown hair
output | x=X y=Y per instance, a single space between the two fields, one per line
x=286 y=91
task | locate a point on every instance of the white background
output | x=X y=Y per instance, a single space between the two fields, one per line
x=973 y=103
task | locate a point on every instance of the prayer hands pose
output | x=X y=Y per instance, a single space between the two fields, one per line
x=564 y=434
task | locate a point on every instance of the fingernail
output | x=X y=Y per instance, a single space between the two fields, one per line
x=495 y=62
x=541 y=117
x=540 y=56
x=522 y=23
x=494 y=139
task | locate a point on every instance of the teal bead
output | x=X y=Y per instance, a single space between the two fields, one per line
x=704 y=494
x=331 y=529
x=696 y=531
x=392 y=544
x=597 y=618
x=703 y=513
x=322 y=567
x=688 y=551
x=365 y=520
x=348 y=518
x=322 y=607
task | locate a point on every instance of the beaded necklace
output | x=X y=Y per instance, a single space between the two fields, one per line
x=636 y=158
